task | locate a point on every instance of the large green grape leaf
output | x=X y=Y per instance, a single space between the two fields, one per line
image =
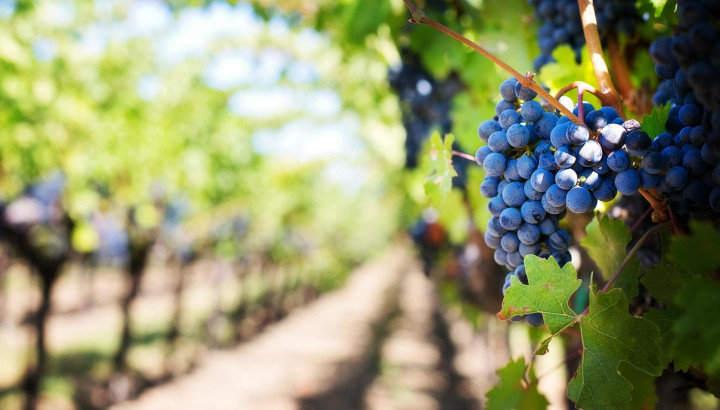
x=610 y=335
x=606 y=242
x=548 y=291
x=663 y=281
x=697 y=334
x=441 y=172
x=643 y=393
x=514 y=391
x=700 y=251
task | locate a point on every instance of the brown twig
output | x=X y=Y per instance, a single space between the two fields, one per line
x=602 y=74
x=659 y=205
x=652 y=231
x=419 y=17
x=580 y=84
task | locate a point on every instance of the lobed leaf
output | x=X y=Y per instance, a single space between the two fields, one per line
x=610 y=335
x=548 y=292
x=606 y=242
x=513 y=391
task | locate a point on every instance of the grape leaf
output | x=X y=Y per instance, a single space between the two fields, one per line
x=548 y=291
x=700 y=251
x=663 y=281
x=654 y=123
x=697 y=334
x=606 y=242
x=514 y=391
x=643 y=393
x=610 y=335
x=439 y=182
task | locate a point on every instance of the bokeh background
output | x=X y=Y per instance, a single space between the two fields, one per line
x=210 y=204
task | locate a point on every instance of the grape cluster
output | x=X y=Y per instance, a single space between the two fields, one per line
x=425 y=104
x=561 y=24
x=540 y=165
x=684 y=159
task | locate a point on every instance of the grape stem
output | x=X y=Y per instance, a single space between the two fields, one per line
x=652 y=231
x=659 y=205
x=580 y=85
x=602 y=74
x=464 y=155
x=419 y=17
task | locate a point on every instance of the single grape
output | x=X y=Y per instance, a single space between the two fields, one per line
x=532 y=111
x=556 y=196
x=566 y=178
x=579 y=200
x=541 y=180
x=618 y=160
x=627 y=182
x=561 y=258
x=559 y=240
x=510 y=219
x=496 y=205
x=493 y=242
x=489 y=187
x=596 y=120
x=577 y=134
x=589 y=154
x=508 y=118
x=601 y=167
x=518 y=136
x=528 y=233
x=498 y=141
x=514 y=259
x=514 y=194
x=638 y=143
x=532 y=212
x=612 y=136
x=510 y=242
x=507 y=89
x=494 y=164
x=521 y=274
x=610 y=113
x=526 y=165
x=677 y=178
